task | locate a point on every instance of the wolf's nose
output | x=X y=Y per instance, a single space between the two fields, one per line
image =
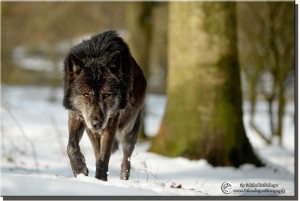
x=97 y=124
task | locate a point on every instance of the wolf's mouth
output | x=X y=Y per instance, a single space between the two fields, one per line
x=97 y=125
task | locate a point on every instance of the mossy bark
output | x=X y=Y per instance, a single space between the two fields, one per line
x=203 y=117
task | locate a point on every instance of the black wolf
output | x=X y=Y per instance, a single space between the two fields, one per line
x=104 y=91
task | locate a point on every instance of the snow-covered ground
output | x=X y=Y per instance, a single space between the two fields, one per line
x=34 y=162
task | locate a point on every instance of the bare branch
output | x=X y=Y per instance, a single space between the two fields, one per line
x=259 y=132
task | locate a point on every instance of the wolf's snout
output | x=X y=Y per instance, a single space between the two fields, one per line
x=97 y=124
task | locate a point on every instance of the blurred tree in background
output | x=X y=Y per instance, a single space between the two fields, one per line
x=203 y=117
x=139 y=24
x=267 y=41
x=158 y=48
x=147 y=30
x=139 y=17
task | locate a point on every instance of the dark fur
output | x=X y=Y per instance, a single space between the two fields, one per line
x=104 y=91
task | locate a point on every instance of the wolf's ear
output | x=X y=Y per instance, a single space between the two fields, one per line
x=115 y=63
x=74 y=66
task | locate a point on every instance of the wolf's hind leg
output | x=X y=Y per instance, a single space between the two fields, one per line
x=77 y=160
x=128 y=145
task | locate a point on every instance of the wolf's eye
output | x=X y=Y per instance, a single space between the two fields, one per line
x=106 y=95
x=86 y=95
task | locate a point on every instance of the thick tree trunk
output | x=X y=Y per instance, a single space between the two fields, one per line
x=253 y=82
x=203 y=117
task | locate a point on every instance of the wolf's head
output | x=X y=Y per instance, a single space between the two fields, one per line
x=97 y=78
x=95 y=88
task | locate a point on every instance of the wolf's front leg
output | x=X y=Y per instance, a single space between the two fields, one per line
x=107 y=141
x=76 y=128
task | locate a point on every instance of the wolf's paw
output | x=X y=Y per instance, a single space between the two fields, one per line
x=101 y=170
x=125 y=170
x=81 y=170
x=79 y=166
x=102 y=176
x=77 y=161
x=124 y=175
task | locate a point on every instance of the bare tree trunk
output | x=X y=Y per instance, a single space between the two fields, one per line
x=270 y=101
x=253 y=92
x=280 y=112
x=139 y=27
